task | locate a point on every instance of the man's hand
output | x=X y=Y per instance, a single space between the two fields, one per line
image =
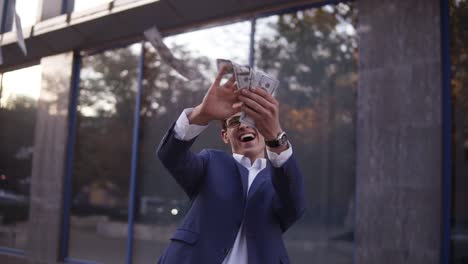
x=263 y=108
x=219 y=102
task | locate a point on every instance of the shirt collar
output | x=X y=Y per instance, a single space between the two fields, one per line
x=258 y=164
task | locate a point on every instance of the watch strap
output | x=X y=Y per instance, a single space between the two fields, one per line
x=278 y=142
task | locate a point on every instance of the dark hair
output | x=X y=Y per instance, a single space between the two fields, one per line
x=223 y=124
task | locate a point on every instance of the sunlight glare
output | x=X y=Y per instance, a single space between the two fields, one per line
x=22 y=82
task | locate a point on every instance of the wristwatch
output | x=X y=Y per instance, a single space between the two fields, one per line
x=281 y=140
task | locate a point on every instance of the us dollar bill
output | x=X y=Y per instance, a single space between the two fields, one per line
x=269 y=83
x=220 y=63
x=242 y=73
x=154 y=37
x=247 y=78
x=264 y=81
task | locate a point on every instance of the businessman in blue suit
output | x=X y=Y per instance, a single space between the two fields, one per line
x=241 y=203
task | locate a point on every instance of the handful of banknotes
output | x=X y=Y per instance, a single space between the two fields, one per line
x=247 y=78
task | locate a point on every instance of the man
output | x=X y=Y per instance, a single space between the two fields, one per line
x=241 y=203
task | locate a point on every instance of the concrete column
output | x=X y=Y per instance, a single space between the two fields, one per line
x=50 y=142
x=399 y=157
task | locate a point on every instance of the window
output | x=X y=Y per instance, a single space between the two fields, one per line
x=80 y=5
x=102 y=156
x=459 y=41
x=19 y=95
x=313 y=52
x=27 y=11
x=160 y=201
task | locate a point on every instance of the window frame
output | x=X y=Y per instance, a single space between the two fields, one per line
x=9 y=250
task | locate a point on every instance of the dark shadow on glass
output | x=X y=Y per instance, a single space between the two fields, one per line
x=459 y=54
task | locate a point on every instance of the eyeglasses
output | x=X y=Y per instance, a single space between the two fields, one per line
x=233 y=122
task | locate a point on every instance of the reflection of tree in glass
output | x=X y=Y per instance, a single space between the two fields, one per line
x=18 y=116
x=313 y=52
x=20 y=103
x=105 y=121
x=165 y=95
x=108 y=84
x=106 y=107
x=165 y=90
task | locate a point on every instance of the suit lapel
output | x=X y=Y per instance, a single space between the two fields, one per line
x=259 y=180
x=244 y=177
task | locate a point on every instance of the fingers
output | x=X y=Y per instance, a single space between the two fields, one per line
x=230 y=84
x=262 y=100
x=252 y=104
x=265 y=94
x=237 y=106
x=250 y=112
x=220 y=75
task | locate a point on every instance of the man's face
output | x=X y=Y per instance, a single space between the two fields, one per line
x=243 y=139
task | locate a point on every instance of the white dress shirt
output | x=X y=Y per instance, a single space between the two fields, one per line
x=185 y=131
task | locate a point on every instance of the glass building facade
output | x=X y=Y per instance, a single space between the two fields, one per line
x=120 y=205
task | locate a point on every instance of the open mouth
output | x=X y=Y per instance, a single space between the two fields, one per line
x=247 y=137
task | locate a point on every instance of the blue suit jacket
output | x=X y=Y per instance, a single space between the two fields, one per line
x=217 y=186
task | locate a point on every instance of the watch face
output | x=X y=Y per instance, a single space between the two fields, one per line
x=283 y=139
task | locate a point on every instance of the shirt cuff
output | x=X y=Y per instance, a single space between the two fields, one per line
x=278 y=160
x=183 y=130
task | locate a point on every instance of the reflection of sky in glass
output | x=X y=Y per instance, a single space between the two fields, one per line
x=23 y=82
x=265 y=31
x=87 y=4
x=88 y=72
x=27 y=11
x=227 y=42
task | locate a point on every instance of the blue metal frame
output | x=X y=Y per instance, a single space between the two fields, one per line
x=67 y=6
x=12 y=251
x=78 y=261
x=70 y=153
x=302 y=7
x=4 y=16
x=64 y=7
x=253 y=23
x=136 y=127
x=446 y=133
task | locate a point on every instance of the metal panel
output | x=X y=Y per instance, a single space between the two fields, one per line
x=126 y=20
x=136 y=128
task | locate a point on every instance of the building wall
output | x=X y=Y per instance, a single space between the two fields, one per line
x=399 y=151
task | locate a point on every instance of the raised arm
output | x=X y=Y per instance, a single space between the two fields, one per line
x=174 y=150
x=186 y=167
